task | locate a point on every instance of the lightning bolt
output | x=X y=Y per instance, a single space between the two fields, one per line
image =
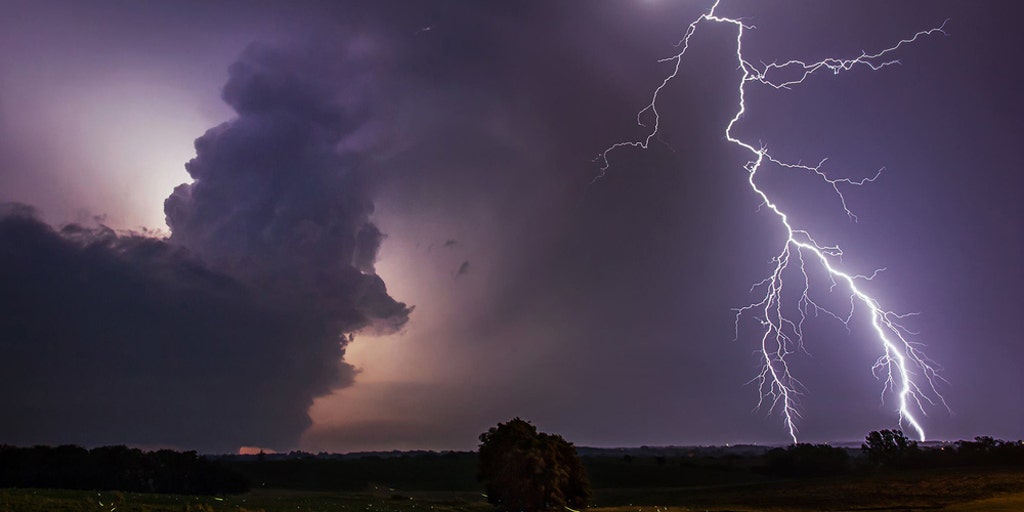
x=902 y=366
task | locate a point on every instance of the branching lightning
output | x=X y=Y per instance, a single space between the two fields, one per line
x=904 y=369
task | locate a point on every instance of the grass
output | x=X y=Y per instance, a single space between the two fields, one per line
x=952 y=490
x=908 y=490
x=375 y=500
x=1006 y=503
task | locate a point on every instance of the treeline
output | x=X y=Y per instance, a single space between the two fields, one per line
x=891 y=449
x=457 y=471
x=117 y=468
x=166 y=471
x=451 y=471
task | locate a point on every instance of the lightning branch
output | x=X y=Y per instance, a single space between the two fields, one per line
x=904 y=369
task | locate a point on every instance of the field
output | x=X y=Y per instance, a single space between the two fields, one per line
x=953 y=490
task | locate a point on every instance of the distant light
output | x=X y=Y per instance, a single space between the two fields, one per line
x=254 y=450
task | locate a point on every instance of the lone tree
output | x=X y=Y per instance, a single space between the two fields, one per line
x=888 y=447
x=525 y=470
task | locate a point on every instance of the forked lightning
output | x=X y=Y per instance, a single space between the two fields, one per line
x=905 y=370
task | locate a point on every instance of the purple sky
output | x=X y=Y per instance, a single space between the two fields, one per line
x=443 y=150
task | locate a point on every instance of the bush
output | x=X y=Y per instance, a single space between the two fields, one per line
x=528 y=471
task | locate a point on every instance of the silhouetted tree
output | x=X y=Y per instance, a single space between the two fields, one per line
x=526 y=471
x=888 y=448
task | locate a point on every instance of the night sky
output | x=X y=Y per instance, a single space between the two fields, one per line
x=342 y=226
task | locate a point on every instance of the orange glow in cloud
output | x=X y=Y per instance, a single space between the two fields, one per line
x=253 y=450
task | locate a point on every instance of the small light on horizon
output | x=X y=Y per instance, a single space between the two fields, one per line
x=254 y=450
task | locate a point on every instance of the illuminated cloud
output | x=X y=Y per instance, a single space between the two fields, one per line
x=223 y=334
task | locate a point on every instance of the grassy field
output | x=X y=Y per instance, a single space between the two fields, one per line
x=1005 y=503
x=919 y=489
x=382 y=500
x=953 y=490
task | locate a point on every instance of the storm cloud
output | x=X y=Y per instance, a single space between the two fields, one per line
x=225 y=332
x=278 y=197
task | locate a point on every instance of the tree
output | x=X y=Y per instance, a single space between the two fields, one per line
x=525 y=470
x=888 y=447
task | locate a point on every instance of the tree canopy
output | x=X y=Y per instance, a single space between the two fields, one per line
x=888 y=447
x=526 y=470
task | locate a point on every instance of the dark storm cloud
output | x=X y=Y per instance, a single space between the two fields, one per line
x=368 y=241
x=130 y=339
x=275 y=195
x=224 y=333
